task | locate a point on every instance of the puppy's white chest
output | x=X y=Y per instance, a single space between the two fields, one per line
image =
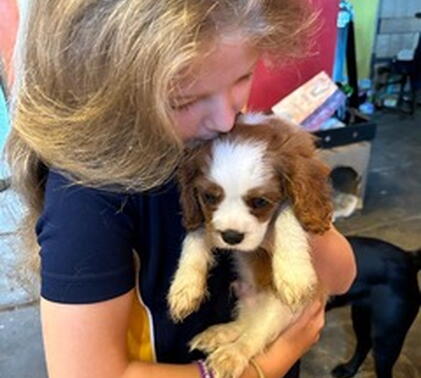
x=246 y=280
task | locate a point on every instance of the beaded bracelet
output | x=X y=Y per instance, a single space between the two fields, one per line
x=205 y=372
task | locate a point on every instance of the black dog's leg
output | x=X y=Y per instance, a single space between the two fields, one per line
x=384 y=366
x=390 y=326
x=387 y=344
x=361 y=321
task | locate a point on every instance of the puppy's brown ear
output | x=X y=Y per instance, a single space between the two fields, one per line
x=187 y=173
x=306 y=181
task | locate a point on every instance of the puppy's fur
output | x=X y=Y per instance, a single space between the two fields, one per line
x=256 y=191
x=385 y=300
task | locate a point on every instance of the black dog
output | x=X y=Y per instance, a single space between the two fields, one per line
x=385 y=300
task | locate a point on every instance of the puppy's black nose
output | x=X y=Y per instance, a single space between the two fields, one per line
x=232 y=237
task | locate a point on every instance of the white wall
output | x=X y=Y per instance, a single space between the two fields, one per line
x=399 y=28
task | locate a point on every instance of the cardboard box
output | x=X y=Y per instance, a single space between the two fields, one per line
x=355 y=156
x=357 y=132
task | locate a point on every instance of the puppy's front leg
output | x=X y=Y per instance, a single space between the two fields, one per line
x=293 y=272
x=188 y=287
x=260 y=321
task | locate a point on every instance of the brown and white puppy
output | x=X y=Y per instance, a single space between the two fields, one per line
x=257 y=191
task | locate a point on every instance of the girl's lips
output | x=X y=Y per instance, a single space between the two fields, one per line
x=208 y=136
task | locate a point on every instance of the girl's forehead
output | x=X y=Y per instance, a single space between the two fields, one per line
x=221 y=65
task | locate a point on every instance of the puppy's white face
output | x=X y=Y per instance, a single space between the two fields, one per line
x=239 y=194
x=233 y=185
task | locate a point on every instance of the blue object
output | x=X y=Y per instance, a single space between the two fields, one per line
x=4 y=131
x=345 y=15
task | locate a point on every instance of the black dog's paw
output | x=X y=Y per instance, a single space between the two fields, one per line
x=344 y=371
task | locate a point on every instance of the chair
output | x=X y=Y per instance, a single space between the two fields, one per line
x=404 y=71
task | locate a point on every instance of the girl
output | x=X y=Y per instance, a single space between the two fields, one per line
x=110 y=92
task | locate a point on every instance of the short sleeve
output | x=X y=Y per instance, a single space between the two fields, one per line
x=86 y=238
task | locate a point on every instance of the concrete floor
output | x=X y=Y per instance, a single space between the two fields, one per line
x=392 y=211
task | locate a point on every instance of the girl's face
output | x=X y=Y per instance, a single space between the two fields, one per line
x=216 y=89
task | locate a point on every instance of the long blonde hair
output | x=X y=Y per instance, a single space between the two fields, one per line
x=93 y=90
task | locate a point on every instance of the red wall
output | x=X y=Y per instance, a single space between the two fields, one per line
x=9 y=18
x=271 y=86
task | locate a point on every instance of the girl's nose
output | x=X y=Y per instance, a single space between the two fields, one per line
x=223 y=114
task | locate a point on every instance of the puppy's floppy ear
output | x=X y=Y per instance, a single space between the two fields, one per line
x=188 y=171
x=305 y=179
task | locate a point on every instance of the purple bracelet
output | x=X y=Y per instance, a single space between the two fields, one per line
x=205 y=372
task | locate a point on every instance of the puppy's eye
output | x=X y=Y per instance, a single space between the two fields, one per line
x=210 y=198
x=258 y=202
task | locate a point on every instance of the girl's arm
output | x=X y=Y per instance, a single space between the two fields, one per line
x=86 y=340
x=89 y=341
x=289 y=347
x=333 y=260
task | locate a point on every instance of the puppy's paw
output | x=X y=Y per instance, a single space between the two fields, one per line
x=185 y=296
x=296 y=287
x=215 y=336
x=230 y=360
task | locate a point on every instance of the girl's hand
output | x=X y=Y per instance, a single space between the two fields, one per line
x=305 y=331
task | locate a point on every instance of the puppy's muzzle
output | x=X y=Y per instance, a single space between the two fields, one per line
x=232 y=237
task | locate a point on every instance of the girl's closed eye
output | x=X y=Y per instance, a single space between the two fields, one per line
x=246 y=77
x=184 y=107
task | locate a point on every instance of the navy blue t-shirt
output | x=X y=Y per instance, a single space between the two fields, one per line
x=96 y=245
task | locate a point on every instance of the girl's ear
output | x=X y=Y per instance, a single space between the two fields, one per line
x=187 y=175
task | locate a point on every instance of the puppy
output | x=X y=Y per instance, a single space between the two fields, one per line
x=385 y=300
x=256 y=192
